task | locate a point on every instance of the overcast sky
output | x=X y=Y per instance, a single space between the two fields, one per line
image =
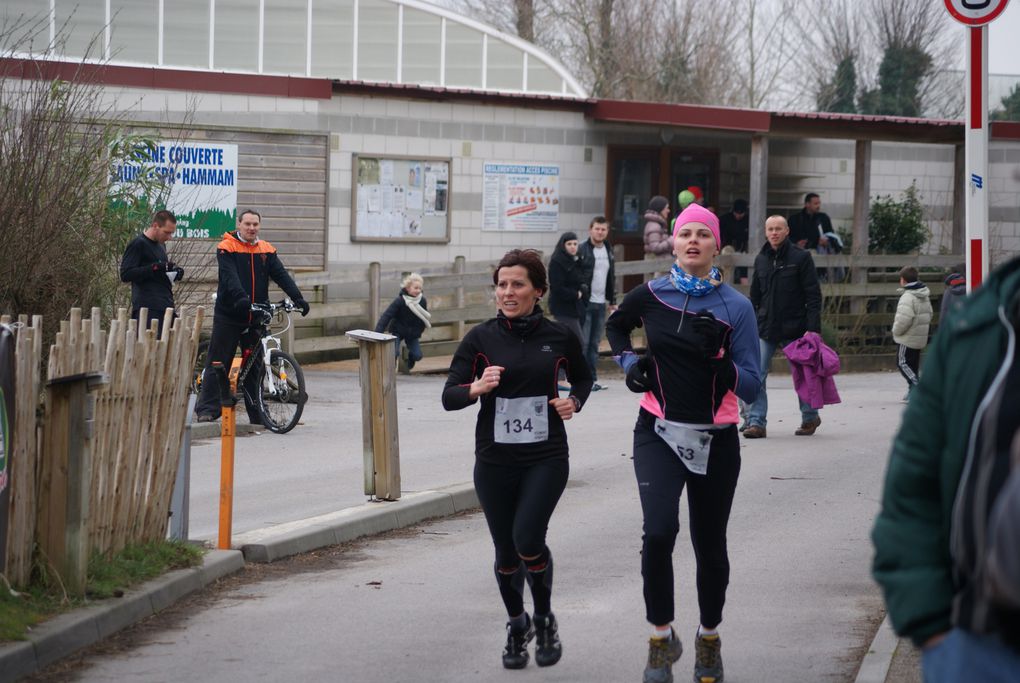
x=1003 y=55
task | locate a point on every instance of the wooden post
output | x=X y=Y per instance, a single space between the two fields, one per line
x=374 y=287
x=862 y=207
x=458 y=269
x=759 y=198
x=64 y=503
x=380 y=439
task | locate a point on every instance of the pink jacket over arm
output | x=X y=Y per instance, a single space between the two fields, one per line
x=813 y=365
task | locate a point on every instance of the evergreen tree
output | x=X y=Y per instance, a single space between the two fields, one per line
x=1010 y=110
x=838 y=94
x=899 y=83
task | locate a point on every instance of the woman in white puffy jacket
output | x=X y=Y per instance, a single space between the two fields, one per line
x=910 y=327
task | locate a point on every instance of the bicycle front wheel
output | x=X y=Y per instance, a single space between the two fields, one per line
x=282 y=398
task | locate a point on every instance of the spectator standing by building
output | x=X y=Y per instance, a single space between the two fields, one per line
x=733 y=226
x=407 y=317
x=150 y=271
x=567 y=288
x=509 y=364
x=245 y=265
x=949 y=462
x=952 y=295
x=657 y=238
x=598 y=265
x=809 y=225
x=788 y=301
x=910 y=325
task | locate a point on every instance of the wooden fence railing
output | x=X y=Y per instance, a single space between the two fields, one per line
x=460 y=295
x=136 y=431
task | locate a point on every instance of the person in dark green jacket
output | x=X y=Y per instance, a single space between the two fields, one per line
x=948 y=463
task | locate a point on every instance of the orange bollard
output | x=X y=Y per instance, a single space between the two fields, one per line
x=228 y=422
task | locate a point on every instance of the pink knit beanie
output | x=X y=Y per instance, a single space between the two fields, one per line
x=695 y=213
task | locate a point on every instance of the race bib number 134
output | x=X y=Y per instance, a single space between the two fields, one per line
x=521 y=420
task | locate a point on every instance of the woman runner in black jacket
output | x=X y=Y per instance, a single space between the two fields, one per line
x=702 y=353
x=511 y=362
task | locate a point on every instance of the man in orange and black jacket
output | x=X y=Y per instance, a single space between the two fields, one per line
x=246 y=264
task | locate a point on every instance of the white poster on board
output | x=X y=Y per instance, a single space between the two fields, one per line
x=521 y=196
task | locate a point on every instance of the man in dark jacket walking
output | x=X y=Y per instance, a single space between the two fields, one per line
x=936 y=536
x=246 y=265
x=599 y=272
x=150 y=271
x=788 y=301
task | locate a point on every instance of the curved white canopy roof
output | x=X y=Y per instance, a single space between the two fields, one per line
x=384 y=41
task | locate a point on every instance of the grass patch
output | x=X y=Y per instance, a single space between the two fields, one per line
x=107 y=577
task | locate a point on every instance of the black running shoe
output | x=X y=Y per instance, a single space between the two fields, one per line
x=548 y=649
x=515 y=654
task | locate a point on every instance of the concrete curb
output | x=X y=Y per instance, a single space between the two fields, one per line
x=66 y=633
x=211 y=430
x=878 y=658
x=273 y=543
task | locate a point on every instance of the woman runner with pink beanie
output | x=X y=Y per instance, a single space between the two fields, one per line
x=702 y=354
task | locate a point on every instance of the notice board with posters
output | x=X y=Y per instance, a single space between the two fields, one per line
x=400 y=198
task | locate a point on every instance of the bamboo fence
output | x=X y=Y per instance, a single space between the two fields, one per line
x=137 y=430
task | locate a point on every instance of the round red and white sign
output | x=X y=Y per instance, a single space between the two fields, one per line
x=975 y=12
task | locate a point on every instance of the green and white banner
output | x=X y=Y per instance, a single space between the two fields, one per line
x=197 y=179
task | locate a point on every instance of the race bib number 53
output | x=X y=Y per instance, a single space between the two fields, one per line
x=521 y=420
x=691 y=445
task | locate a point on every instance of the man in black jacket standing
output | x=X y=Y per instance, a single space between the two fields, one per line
x=246 y=265
x=598 y=271
x=151 y=273
x=788 y=302
x=809 y=225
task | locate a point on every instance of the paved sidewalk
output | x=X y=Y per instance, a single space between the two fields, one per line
x=65 y=634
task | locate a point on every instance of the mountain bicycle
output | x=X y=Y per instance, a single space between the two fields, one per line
x=282 y=397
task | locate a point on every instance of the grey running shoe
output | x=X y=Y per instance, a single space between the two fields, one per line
x=548 y=649
x=708 y=659
x=515 y=654
x=662 y=652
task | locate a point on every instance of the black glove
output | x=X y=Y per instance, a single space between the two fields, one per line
x=243 y=306
x=724 y=370
x=708 y=329
x=303 y=305
x=638 y=376
x=179 y=271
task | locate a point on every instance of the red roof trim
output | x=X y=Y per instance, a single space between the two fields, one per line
x=857 y=118
x=1005 y=130
x=656 y=113
x=172 y=79
x=690 y=115
x=440 y=93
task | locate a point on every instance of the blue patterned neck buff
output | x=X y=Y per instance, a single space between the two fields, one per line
x=695 y=286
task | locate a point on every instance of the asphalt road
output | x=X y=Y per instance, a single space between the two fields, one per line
x=422 y=605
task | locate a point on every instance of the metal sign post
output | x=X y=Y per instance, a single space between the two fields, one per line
x=976 y=15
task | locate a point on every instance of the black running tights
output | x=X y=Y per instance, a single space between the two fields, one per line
x=661 y=479
x=518 y=501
